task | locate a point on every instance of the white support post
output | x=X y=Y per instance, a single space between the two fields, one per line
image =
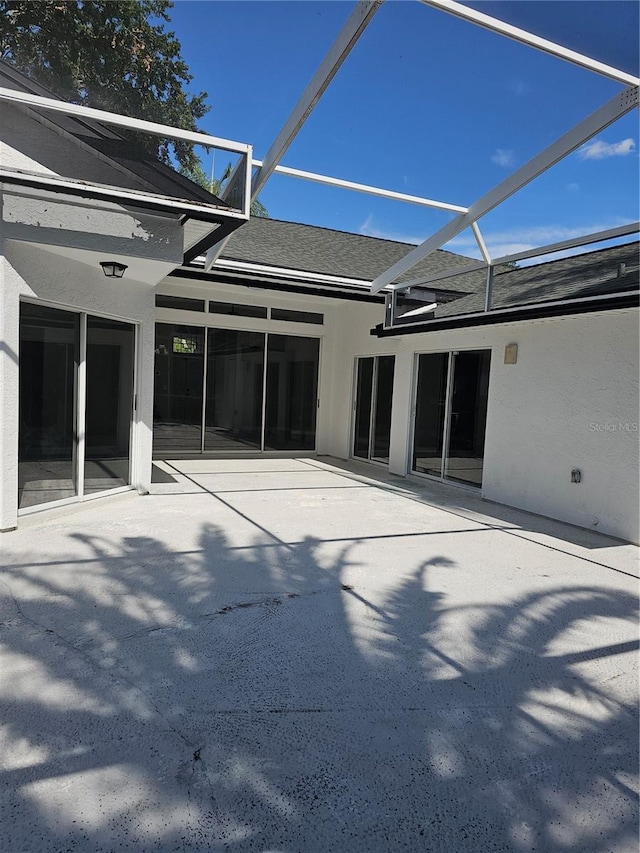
x=590 y=126
x=477 y=233
x=488 y=294
x=496 y=25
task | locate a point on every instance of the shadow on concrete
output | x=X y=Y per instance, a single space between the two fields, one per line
x=249 y=698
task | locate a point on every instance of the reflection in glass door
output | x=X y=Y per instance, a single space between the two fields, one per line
x=431 y=395
x=178 y=392
x=374 y=394
x=75 y=405
x=291 y=392
x=235 y=366
x=49 y=355
x=468 y=418
x=229 y=390
x=450 y=416
x=109 y=407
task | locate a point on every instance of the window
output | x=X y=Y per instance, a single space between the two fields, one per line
x=451 y=413
x=237 y=309
x=297 y=316
x=180 y=303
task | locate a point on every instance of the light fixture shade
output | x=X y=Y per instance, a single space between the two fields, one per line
x=113 y=269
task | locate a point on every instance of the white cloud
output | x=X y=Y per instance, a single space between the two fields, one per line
x=503 y=157
x=522 y=239
x=499 y=243
x=369 y=229
x=597 y=149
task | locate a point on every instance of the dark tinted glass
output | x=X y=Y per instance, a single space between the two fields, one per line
x=49 y=348
x=430 y=411
x=297 y=316
x=237 y=309
x=382 y=416
x=364 y=380
x=235 y=370
x=179 y=372
x=292 y=391
x=468 y=417
x=110 y=361
x=180 y=302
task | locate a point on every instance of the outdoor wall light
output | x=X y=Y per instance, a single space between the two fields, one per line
x=113 y=269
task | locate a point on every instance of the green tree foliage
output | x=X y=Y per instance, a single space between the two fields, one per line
x=216 y=185
x=110 y=54
x=114 y=55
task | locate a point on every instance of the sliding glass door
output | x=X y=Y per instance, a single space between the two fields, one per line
x=292 y=392
x=109 y=409
x=374 y=393
x=75 y=404
x=468 y=419
x=49 y=356
x=450 y=415
x=178 y=392
x=229 y=390
x=431 y=395
x=235 y=368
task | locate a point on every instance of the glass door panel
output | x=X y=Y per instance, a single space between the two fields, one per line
x=292 y=392
x=49 y=352
x=364 y=389
x=235 y=374
x=109 y=408
x=431 y=395
x=382 y=410
x=178 y=393
x=469 y=396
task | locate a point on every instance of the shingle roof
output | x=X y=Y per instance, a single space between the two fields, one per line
x=310 y=248
x=582 y=275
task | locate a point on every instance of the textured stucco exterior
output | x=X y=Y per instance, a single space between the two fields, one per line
x=31 y=272
x=570 y=401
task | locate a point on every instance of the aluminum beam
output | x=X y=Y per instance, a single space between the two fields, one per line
x=498 y=26
x=472 y=266
x=141 y=125
x=365 y=188
x=477 y=233
x=574 y=138
x=338 y=52
x=573 y=243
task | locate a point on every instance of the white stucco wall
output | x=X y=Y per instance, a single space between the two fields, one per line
x=571 y=401
x=28 y=271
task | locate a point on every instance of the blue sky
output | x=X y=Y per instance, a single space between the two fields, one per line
x=425 y=104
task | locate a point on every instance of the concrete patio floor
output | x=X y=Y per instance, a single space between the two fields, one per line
x=305 y=655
